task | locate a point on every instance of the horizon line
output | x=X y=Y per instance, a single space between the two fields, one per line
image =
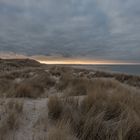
x=60 y=62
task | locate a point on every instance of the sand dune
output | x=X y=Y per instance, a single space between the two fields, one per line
x=55 y=102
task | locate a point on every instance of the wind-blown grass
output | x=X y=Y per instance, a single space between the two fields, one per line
x=108 y=111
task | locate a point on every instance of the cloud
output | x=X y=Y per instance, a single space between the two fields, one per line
x=93 y=29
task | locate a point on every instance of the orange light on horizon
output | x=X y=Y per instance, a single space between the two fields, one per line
x=58 y=59
x=83 y=62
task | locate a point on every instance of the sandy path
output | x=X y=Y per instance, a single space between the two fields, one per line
x=33 y=110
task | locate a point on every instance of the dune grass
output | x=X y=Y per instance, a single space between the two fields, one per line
x=108 y=111
x=87 y=105
x=10 y=118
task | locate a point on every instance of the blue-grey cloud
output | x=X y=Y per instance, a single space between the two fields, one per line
x=75 y=28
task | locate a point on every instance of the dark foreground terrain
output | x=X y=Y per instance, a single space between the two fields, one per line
x=55 y=102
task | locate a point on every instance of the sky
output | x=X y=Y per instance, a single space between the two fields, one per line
x=98 y=30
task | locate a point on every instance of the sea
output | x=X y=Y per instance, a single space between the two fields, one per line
x=126 y=69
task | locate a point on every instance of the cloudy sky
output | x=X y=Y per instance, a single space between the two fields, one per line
x=91 y=29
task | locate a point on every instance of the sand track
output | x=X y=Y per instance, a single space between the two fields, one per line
x=33 y=109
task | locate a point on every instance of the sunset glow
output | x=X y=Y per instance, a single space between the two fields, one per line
x=84 y=62
x=67 y=61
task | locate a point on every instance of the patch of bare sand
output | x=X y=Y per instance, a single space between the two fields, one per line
x=29 y=128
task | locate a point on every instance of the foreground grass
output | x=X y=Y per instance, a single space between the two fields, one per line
x=108 y=111
x=11 y=112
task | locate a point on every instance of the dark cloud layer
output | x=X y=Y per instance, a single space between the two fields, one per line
x=72 y=28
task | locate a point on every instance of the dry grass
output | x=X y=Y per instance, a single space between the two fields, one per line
x=10 y=118
x=33 y=87
x=26 y=89
x=45 y=80
x=73 y=86
x=55 y=107
x=94 y=106
x=77 y=87
x=61 y=131
x=4 y=86
x=110 y=111
x=123 y=78
x=65 y=79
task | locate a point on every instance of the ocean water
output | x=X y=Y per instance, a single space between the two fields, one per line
x=128 y=69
